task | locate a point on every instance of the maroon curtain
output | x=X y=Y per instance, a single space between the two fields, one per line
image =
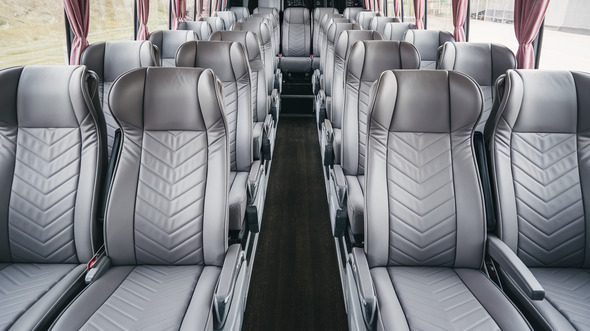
x=78 y=13
x=419 y=11
x=178 y=12
x=397 y=8
x=528 y=16
x=459 y=16
x=143 y=12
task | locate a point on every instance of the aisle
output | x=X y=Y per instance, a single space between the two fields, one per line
x=295 y=283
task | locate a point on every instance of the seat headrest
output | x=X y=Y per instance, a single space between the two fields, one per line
x=246 y=38
x=369 y=58
x=110 y=59
x=428 y=41
x=336 y=29
x=260 y=29
x=227 y=59
x=347 y=38
x=296 y=15
x=396 y=30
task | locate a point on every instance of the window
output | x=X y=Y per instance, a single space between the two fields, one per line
x=110 y=20
x=159 y=15
x=566 y=38
x=440 y=15
x=32 y=32
x=190 y=10
x=492 y=21
x=408 y=9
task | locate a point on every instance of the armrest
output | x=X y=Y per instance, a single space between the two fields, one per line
x=315 y=81
x=320 y=108
x=339 y=180
x=256 y=172
x=278 y=80
x=328 y=143
x=98 y=265
x=515 y=268
x=275 y=104
x=364 y=284
x=227 y=282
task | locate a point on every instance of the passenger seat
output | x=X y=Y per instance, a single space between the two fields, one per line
x=364 y=18
x=378 y=23
x=168 y=42
x=242 y=13
x=216 y=23
x=52 y=171
x=427 y=42
x=296 y=41
x=228 y=17
x=202 y=28
x=351 y=12
x=317 y=14
x=396 y=31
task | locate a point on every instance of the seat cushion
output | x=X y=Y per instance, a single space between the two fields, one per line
x=238 y=197
x=356 y=203
x=28 y=291
x=145 y=298
x=438 y=298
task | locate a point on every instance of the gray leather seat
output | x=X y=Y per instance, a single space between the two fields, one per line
x=378 y=23
x=166 y=216
x=327 y=43
x=317 y=15
x=273 y=15
x=242 y=13
x=296 y=41
x=425 y=234
x=366 y=61
x=168 y=42
x=202 y=28
x=322 y=26
x=427 y=42
x=537 y=139
x=267 y=10
x=110 y=60
x=53 y=162
x=216 y=23
x=229 y=62
x=483 y=62
x=364 y=18
x=351 y=12
x=396 y=31
x=228 y=17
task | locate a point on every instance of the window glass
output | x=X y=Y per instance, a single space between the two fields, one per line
x=190 y=10
x=32 y=32
x=159 y=15
x=566 y=37
x=492 y=21
x=111 y=20
x=408 y=9
x=440 y=15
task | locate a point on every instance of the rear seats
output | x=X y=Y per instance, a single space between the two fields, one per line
x=481 y=61
x=53 y=165
x=168 y=42
x=537 y=138
x=351 y=12
x=427 y=42
x=364 y=18
x=378 y=23
x=242 y=13
x=396 y=31
x=425 y=224
x=202 y=28
x=167 y=264
x=216 y=23
x=110 y=60
x=317 y=15
x=296 y=41
x=228 y=17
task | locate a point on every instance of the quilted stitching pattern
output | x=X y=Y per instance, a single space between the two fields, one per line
x=488 y=102
x=298 y=40
x=23 y=284
x=421 y=199
x=441 y=293
x=548 y=199
x=231 y=113
x=568 y=290
x=363 y=107
x=150 y=298
x=170 y=194
x=43 y=195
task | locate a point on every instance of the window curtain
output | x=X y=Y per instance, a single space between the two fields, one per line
x=397 y=8
x=528 y=16
x=419 y=10
x=78 y=13
x=459 y=16
x=143 y=12
x=178 y=12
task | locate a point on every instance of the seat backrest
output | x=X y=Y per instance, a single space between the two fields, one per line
x=276 y=29
x=483 y=62
x=253 y=50
x=423 y=199
x=364 y=18
x=111 y=59
x=267 y=10
x=242 y=13
x=537 y=138
x=317 y=15
x=378 y=23
x=350 y=13
x=153 y=217
x=53 y=161
x=396 y=31
x=296 y=32
x=228 y=17
x=322 y=33
x=202 y=28
x=229 y=62
x=216 y=23
x=333 y=32
x=264 y=34
x=342 y=48
x=324 y=43
x=365 y=63
x=168 y=42
x=427 y=42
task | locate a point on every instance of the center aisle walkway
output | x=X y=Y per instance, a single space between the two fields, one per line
x=295 y=283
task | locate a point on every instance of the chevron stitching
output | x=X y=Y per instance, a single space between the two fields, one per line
x=168 y=216
x=298 y=35
x=548 y=199
x=421 y=199
x=43 y=195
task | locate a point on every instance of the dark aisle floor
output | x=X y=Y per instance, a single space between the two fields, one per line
x=295 y=283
